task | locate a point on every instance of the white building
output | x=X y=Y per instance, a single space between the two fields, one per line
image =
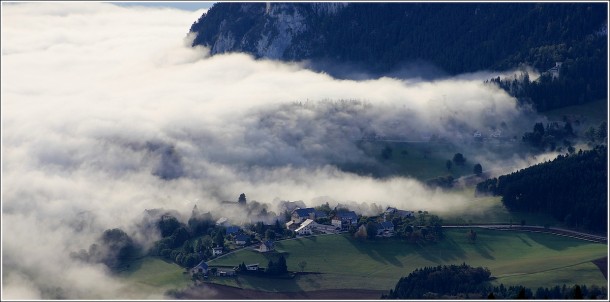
x=306 y=227
x=217 y=251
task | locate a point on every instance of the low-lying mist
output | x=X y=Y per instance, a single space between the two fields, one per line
x=107 y=111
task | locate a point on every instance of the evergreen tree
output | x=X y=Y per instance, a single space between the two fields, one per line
x=577 y=293
x=521 y=294
x=478 y=169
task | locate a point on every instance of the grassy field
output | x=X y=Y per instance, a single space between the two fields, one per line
x=593 y=112
x=490 y=210
x=153 y=276
x=421 y=161
x=514 y=258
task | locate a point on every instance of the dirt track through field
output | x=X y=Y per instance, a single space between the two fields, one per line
x=210 y=291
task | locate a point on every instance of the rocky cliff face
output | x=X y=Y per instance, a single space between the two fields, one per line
x=271 y=30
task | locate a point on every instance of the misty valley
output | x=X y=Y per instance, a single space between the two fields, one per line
x=304 y=150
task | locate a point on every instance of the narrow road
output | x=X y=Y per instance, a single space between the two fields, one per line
x=537 y=229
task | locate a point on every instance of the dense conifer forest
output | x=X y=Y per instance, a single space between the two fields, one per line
x=572 y=188
x=464 y=282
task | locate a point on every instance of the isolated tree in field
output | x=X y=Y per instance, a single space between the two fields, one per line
x=242 y=198
x=472 y=236
x=281 y=265
x=448 y=164
x=371 y=230
x=478 y=169
x=491 y=296
x=302 y=265
x=459 y=159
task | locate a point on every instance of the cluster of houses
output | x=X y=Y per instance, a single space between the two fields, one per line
x=303 y=222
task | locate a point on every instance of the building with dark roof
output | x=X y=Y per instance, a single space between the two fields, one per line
x=266 y=246
x=300 y=215
x=344 y=220
x=231 y=230
x=202 y=267
x=242 y=239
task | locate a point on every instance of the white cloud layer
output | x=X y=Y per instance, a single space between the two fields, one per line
x=100 y=103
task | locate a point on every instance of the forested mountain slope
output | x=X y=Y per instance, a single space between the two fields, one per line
x=572 y=188
x=455 y=37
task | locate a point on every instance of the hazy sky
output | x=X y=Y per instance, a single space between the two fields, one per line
x=108 y=111
x=184 y=5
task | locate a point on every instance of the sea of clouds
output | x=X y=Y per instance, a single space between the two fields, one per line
x=108 y=111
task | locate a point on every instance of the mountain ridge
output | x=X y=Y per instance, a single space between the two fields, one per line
x=381 y=35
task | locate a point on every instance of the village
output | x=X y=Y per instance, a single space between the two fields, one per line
x=306 y=222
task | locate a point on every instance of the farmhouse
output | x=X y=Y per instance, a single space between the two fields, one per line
x=290 y=225
x=306 y=227
x=385 y=229
x=217 y=251
x=223 y=272
x=252 y=267
x=299 y=215
x=242 y=239
x=393 y=212
x=344 y=220
x=328 y=229
x=202 y=267
x=266 y=246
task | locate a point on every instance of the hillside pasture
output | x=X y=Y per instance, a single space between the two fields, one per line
x=420 y=160
x=490 y=210
x=153 y=277
x=588 y=114
x=340 y=262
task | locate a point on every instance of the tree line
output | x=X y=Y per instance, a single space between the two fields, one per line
x=572 y=188
x=581 y=78
x=464 y=282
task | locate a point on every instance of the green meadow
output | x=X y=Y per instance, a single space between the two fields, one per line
x=490 y=210
x=589 y=114
x=152 y=276
x=419 y=160
x=338 y=261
